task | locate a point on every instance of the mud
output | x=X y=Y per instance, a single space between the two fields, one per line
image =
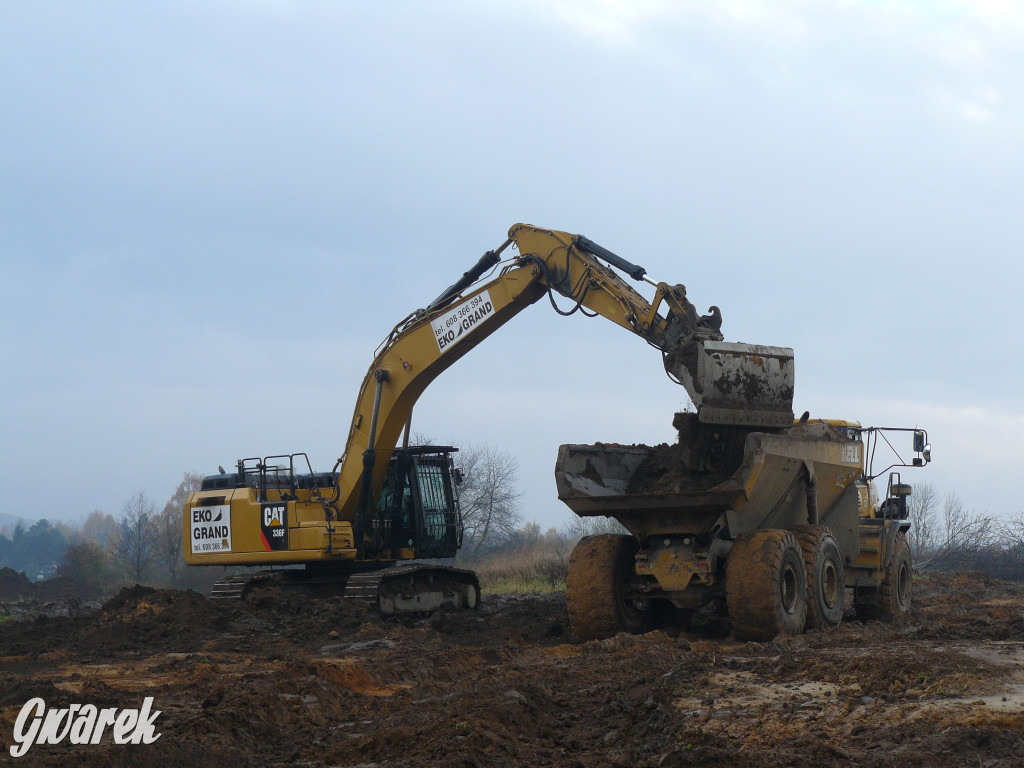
x=22 y=598
x=14 y=585
x=704 y=456
x=287 y=680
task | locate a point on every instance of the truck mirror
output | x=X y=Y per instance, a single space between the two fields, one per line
x=918 y=441
x=927 y=453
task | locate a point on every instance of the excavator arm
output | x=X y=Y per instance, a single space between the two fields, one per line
x=729 y=383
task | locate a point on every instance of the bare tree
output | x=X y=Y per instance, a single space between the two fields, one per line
x=579 y=527
x=921 y=507
x=134 y=545
x=168 y=526
x=954 y=519
x=1012 y=533
x=967 y=538
x=86 y=563
x=489 y=496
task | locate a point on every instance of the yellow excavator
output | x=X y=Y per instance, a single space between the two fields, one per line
x=383 y=505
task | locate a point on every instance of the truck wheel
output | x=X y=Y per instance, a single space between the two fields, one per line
x=826 y=586
x=766 y=585
x=598 y=592
x=471 y=596
x=896 y=593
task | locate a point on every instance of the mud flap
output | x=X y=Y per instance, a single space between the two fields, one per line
x=743 y=384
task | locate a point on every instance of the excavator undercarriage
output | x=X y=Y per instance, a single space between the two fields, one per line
x=403 y=588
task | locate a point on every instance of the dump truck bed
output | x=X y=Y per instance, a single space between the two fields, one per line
x=761 y=481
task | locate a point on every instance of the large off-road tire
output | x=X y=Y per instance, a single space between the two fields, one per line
x=597 y=589
x=893 y=600
x=826 y=586
x=766 y=585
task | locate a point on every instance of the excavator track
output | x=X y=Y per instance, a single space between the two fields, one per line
x=416 y=588
x=410 y=588
x=236 y=586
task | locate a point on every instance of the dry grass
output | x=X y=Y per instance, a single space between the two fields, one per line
x=535 y=569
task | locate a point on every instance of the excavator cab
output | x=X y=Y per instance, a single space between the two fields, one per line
x=418 y=508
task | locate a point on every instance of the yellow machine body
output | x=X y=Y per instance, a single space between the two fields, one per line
x=340 y=517
x=813 y=473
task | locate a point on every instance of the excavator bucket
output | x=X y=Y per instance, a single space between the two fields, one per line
x=741 y=384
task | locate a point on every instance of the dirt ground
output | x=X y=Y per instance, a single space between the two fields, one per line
x=284 y=679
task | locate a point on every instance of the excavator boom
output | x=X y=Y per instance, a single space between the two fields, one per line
x=729 y=383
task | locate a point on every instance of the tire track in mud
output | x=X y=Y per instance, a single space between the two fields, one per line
x=286 y=680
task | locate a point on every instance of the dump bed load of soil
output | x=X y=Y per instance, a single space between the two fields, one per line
x=706 y=455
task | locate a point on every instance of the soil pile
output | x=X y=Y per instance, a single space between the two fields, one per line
x=14 y=585
x=58 y=596
x=704 y=456
x=283 y=679
x=137 y=617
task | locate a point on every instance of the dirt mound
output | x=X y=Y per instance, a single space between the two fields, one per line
x=284 y=679
x=137 y=617
x=14 y=585
x=706 y=455
x=58 y=596
x=159 y=619
x=65 y=588
x=505 y=619
x=969 y=606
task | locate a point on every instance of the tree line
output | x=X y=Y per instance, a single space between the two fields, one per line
x=141 y=545
x=947 y=536
x=145 y=544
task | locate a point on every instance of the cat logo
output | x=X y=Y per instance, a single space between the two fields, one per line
x=274 y=526
x=272 y=514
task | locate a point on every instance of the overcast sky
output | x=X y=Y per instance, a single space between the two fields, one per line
x=212 y=212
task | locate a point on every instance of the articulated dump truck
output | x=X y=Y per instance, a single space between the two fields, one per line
x=771 y=524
